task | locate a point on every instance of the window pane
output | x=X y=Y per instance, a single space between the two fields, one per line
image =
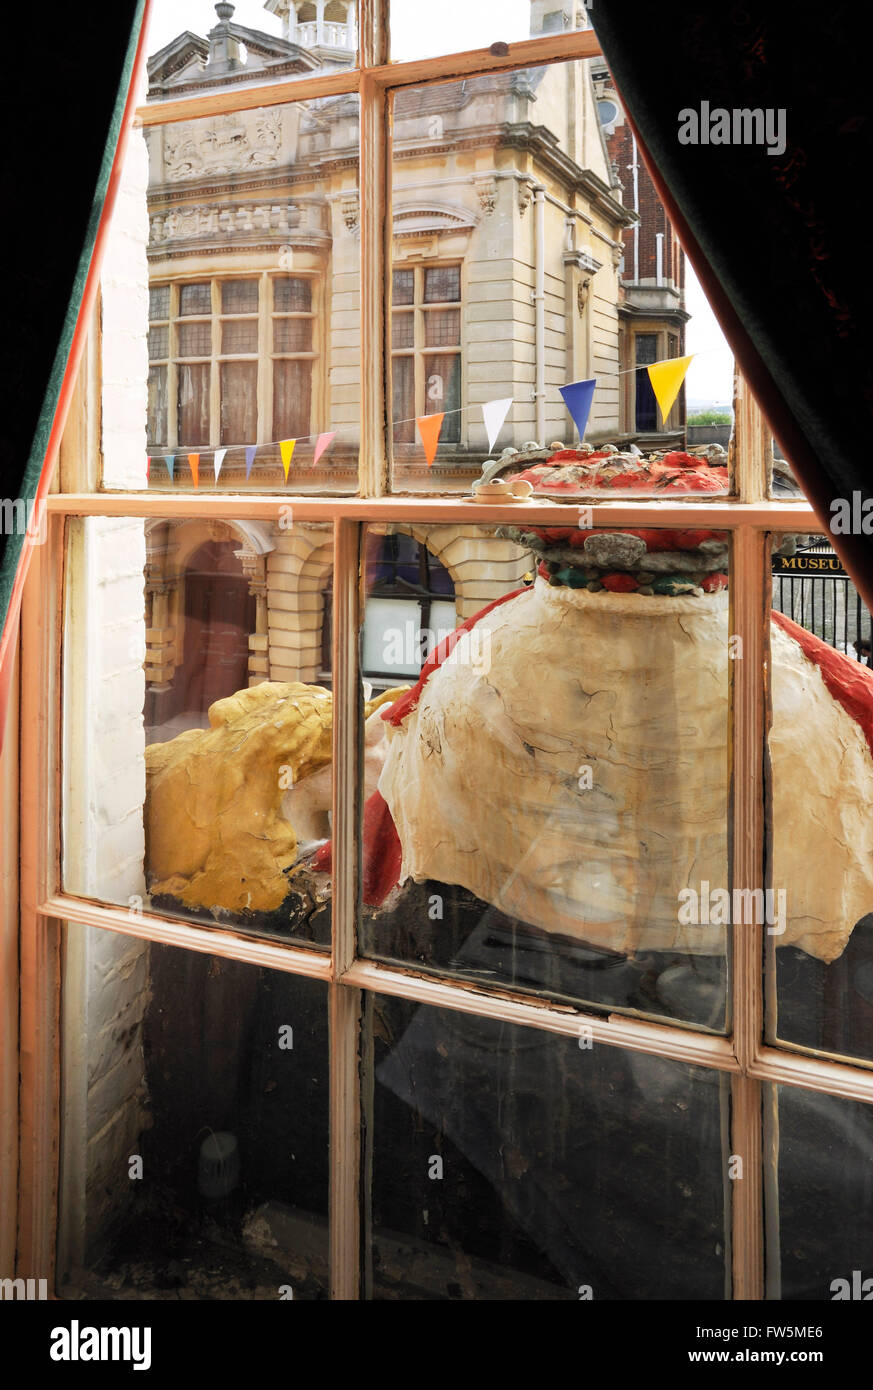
x=819 y=1208
x=239 y=401
x=403 y=378
x=159 y=341
x=508 y=1163
x=195 y=1126
x=549 y=289
x=821 y=766
x=442 y=385
x=442 y=328
x=291 y=293
x=551 y=806
x=193 y=404
x=240 y=335
x=402 y=330
x=292 y=335
x=239 y=297
x=458 y=25
x=243 y=217
x=195 y=299
x=442 y=283
x=195 y=339
x=292 y=386
x=285 y=41
x=198 y=755
x=159 y=302
x=157 y=424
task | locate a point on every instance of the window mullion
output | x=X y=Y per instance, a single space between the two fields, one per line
x=375 y=223
x=345 y=1001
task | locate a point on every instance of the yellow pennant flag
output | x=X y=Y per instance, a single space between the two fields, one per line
x=667 y=378
x=286 y=449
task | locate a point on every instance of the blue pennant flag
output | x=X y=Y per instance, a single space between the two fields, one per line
x=577 y=398
x=251 y=450
x=170 y=461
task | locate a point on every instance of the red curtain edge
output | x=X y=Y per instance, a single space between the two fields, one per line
x=80 y=332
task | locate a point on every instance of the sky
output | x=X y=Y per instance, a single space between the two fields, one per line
x=469 y=24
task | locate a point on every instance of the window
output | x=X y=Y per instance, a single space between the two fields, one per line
x=426 y=349
x=206 y=354
x=525 y=1028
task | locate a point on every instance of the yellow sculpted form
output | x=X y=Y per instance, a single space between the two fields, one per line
x=215 y=833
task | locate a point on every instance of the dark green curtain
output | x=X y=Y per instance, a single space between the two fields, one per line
x=779 y=241
x=66 y=80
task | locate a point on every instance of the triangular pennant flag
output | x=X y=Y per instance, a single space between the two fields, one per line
x=170 y=461
x=148 y=468
x=494 y=413
x=251 y=450
x=321 y=444
x=577 y=398
x=218 y=460
x=666 y=378
x=286 y=449
x=429 y=427
x=194 y=461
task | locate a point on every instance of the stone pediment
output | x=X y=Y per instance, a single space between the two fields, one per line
x=176 y=56
x=430 y=219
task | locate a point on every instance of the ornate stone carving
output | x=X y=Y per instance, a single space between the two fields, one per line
x=583 y=289
x=350 y=209
x=204 y=220
x=229 y=145
x=525 y=195
x=486 y=192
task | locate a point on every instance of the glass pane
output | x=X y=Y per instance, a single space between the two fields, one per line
x=563 y=269
x=508 y=1163
x=195 y=339
x=198 y=720
x=195 y=299
x=239 y=401
x=193 y=404
x=292 y=385
x=403 y=287
x=442 y=283
x=159 y=341
x=442 y=383
x=157 y=421
x=546 y=808
x=159 y=302
x=240 y=335
x=821 y=768
x=195 y=1126
x=442 y=328
x=239 y=297
x=402 y=330
x=820 y=1197
x=292 y=293
x=403 y=388
x=256 y=42
x=457 y=25
x=240 y=222
x=292 y=335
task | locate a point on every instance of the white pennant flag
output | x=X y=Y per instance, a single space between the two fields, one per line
x=494 y=413
x=219 y=460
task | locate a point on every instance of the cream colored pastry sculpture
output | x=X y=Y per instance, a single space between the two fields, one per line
x=569 y=765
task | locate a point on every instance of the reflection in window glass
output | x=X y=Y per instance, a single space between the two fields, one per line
x=820 y=1197
x=196 y=1126
x=508 y=1163
x=532 y=265
x=458 y=25
x=551 y=803
x=821 y=754
x=198 y=759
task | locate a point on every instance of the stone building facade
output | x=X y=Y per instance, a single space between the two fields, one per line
x=509 y=230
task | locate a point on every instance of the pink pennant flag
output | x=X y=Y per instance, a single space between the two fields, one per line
x=321 y=444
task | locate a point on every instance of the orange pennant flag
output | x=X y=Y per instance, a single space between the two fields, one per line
x=286 y=449
x=429 y=427
x=194 y=461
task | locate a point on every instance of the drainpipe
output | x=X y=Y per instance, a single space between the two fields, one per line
x=659 y=253
x=539 y=299
x=635 y=167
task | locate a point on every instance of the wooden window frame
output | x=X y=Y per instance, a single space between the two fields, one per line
x=749 y=515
